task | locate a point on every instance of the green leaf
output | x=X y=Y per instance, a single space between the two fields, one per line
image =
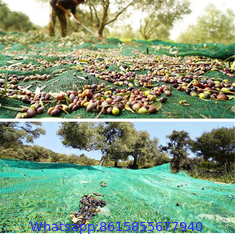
x=105 y=105
x=127 y=107
x=104 y=96
x=59 y=70
x=83 y=61
x=157 y=105
x=11 y=62
x=227 y=65
x=80 y=77
x=144 y=89
x=123 y=94
x=231 y=97
x=107 y=88
x=37 y=91
x=67 y=100
x=14 y=65
x=230 y=58
x=122 y=69
x=10 y=108
x=183 y=103
x=137 y=83
x=147 y=51
x=100 y=59
x=217 y=79
x=233 y=66
x=233 y=109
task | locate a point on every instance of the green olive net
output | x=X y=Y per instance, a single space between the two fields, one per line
x=38 y=192
x=66 y=63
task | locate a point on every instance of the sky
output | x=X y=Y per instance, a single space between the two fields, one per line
x=156 y=129
x=39 y=12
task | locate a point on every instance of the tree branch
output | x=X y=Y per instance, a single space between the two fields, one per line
x=120 y=12
x=151 y=30
x=96 y=15
x=91 y=15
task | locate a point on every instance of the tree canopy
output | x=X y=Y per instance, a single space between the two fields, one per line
x=178 y=145
x=14 y=133
x=116 y=140
x=158 y=17
x=143 y=148
x=217 y=145
x=14 y=20
x=100 y=14
x=82 y=135
x=113 y=139
x=212 y=26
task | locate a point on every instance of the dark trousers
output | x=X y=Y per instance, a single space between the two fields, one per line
x=63 y=22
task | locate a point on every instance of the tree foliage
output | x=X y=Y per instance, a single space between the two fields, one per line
x=37 y=153
x=116 y=140
x=113 y=139
x=100 y=13
x=82 y=135
x=158 y=17
x=217 y=145
x=126 y=32
x=144 y=149
x=14 y=20
x=162 y=158
x=14 y=133
x=213 y=26
x=178 y=145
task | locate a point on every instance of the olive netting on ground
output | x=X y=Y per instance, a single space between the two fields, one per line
x=15 y=55
x=38 y=192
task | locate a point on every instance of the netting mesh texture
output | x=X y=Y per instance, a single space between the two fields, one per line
x=37 y=192
x=54 y=53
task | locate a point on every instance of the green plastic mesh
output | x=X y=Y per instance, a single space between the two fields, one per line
x=37 y=192
x=53 y=52
x=213 y=50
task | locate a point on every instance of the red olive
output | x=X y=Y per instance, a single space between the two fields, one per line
x=31 y=113
x=54 y=112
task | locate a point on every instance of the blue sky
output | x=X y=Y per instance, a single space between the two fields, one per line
x=156 y=129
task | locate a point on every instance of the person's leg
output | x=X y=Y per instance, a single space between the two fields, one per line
x=52 y=22
x=63 y=23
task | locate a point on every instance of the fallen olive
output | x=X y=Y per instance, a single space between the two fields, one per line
x=55 y=112
x=31 y=113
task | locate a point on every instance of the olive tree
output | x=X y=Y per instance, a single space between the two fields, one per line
x=179 y=142
x=212 y=26
x=13 y=134
x=14 y=20
x=158 y=17
x=102 y=13
x=217 y=145
x=113 y=139
x=141 y=148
